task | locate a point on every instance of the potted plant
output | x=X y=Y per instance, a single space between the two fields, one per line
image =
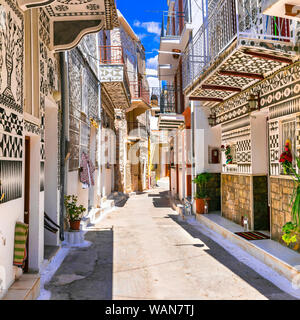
x=201 y=196
x=291 y=230
x=74 y=212
x=228 y=155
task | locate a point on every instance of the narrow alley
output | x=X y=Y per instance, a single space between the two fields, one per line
x=143 y=251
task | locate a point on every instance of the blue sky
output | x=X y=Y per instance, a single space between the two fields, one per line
x=145 y=18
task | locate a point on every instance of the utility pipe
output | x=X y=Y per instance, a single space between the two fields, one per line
x=193 y=151
x=64 y=137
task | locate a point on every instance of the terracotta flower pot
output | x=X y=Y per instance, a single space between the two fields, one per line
x=200 y=203
x=75 y=225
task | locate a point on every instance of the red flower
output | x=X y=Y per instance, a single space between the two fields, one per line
x=286 y=156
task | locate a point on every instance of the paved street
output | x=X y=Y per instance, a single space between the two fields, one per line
x=141 y=251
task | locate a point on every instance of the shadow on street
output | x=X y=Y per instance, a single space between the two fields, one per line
x=265 y=287
x=86 y=273
x=161 y=200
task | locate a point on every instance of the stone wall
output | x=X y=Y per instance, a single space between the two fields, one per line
x=240 y=199
x=121 y=134
x=281 y=191
x=236 y=198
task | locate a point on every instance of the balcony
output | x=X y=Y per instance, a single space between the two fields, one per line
x=113 y=76
x=140 y=95
x=137 y=131
x=64 y=23
x=176 y=26
x=236 y=47
x=282 y=8
x=168 y=119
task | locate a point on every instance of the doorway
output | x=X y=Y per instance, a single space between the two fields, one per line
x=92 y=156
x=27 y=196
x=51 y=198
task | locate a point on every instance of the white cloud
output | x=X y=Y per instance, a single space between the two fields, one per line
x=142 y=35
x=137 y=23
x=151 y=72
x=152 y=63
x=151 y=26
x=152 y=78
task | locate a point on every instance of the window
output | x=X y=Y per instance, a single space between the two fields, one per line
x=213 y=155
x=84 y=138
x=288 y=132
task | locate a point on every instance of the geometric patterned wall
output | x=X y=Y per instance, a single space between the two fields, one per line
x=274 y=92
x=240 y=137
x=11 y=179
x=274 y=147
x=11 y=99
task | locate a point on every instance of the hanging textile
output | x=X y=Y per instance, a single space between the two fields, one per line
x=20 y=254
x=87 y=170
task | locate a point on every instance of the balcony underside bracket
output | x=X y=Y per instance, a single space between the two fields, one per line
x=205 y=99
x=268 y=57
x=220 y=88
x=241 y=74
x=65 y=22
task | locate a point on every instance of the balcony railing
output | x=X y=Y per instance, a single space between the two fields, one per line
x=167 y=100
x=111 y=55
x=230 y=20
x=137 y=130
x=155 y=96
x=173 y=22
x=139 y=91
x=113 y=69
x=164 y=98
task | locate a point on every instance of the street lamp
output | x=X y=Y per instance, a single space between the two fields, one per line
x=176 y=53
x=212 y=119
x=254 y=102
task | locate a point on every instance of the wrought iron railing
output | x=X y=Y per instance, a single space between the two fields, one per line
x=139 y=91
x=164 y=98
x=229 y=20
x=173 y=22
x=155 y=96
x=111 y=55
x=167 y=100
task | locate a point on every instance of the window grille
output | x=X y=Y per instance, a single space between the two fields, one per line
x=233 y=153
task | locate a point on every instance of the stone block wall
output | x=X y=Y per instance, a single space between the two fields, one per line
x=240 y=199
x=236 y=197
x=281 y=191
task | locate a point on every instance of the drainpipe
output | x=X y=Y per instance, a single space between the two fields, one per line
x=99 y=142
x=193 y=149
x=100 y=187
x=64 y=137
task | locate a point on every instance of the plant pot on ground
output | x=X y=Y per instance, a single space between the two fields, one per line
x=201 y=196
x=200 y=205
x=74 y=212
